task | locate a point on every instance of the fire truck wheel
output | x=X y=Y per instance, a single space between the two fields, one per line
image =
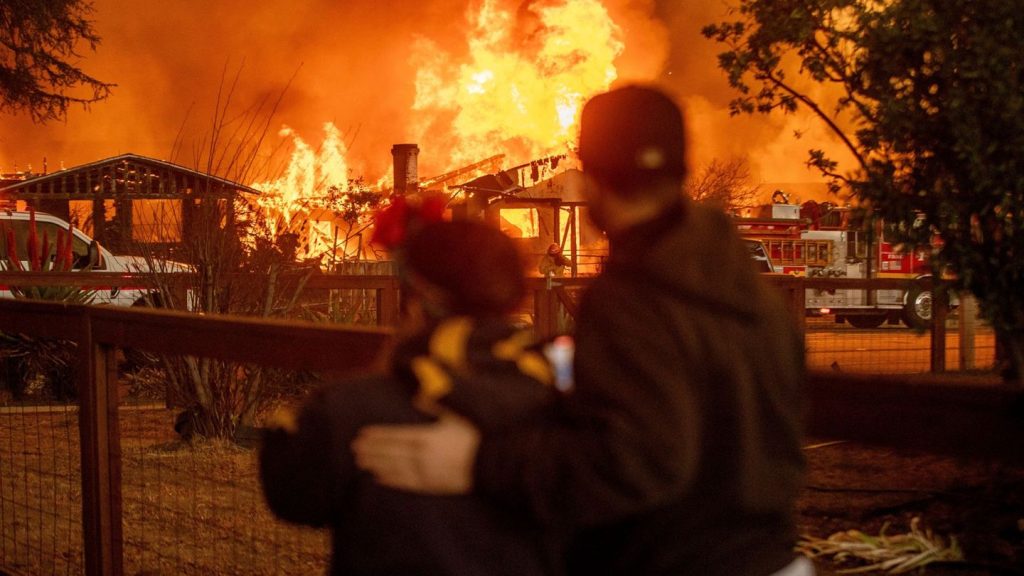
x=917 y=312
x=866 y=320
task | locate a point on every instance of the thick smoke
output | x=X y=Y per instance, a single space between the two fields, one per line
x=349 y=63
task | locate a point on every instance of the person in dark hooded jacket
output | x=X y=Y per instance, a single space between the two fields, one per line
x=460 y=280
x=678 y=451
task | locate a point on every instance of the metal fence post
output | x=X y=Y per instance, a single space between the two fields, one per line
x=966 y=327
x=102 y=529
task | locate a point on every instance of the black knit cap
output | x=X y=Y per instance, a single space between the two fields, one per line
x=634 y=133
x=477 y=266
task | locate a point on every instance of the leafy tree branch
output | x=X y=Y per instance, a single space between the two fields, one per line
x=39 y=72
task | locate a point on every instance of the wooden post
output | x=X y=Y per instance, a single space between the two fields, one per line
x=940 y=310
x=966 y=327
x=102 y=528
x=573 y=248
x=545 y=321
x=388 y=303
x=798 y=300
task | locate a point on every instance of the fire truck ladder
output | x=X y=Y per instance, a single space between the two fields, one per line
x=797 y=252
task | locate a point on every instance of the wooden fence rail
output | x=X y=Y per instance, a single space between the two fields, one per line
x=548 y=295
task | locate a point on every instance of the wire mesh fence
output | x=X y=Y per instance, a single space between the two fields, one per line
x=192 y=506
x=195 y=507
x=40 y=490
x=171 y=502
x=895 y=349
x=189 y=506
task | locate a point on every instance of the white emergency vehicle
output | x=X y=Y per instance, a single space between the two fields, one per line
x=84 y=250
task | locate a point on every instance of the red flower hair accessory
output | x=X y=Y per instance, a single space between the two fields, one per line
x=403 y=216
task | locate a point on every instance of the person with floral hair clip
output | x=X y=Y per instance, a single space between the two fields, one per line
x=460 y=283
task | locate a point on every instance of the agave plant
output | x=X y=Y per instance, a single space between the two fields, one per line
x=44 y=257
x=41 y=366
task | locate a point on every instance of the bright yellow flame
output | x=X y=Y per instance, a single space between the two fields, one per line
x=299 y=202
x=521 y=88
x=308 y=175
x=519 y=222
x=309 y=172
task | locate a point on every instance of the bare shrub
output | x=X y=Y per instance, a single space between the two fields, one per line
x=724 y=184
x=244 y=260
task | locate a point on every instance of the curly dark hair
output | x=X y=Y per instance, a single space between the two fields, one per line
x=479 y=268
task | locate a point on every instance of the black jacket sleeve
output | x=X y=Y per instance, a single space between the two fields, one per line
x=627 y=437
x=307 y=470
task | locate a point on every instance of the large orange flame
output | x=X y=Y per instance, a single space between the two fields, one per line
x=520 y=90
x=309 y=174
x=517 y=92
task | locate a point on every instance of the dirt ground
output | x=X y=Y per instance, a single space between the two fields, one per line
x=856 y=487
x=172 y=492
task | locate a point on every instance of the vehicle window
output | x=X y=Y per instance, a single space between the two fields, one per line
x=760 y=256
x=79 y=247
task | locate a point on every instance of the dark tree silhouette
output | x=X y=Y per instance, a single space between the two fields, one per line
x=39 y=73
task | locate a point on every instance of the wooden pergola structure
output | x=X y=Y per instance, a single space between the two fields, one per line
x=130 y=203
x=556 y=204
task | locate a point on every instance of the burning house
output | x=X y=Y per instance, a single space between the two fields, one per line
x=538 y=205
x=511 y=88
x=131 y=204
x=331 y=220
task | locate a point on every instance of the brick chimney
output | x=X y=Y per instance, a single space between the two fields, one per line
x=406 y=176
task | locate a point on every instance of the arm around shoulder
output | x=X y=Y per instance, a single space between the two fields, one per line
x=299 y=464
x=624 y=440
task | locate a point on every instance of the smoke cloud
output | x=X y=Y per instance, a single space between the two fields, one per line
x=350 y=63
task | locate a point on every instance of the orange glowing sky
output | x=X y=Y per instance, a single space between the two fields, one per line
x=355 y=64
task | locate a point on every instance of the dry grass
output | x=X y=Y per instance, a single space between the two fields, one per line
x=867 y=497
x=895 y=554
x=187 y=508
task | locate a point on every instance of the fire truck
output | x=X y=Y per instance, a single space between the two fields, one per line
x=823 y=240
